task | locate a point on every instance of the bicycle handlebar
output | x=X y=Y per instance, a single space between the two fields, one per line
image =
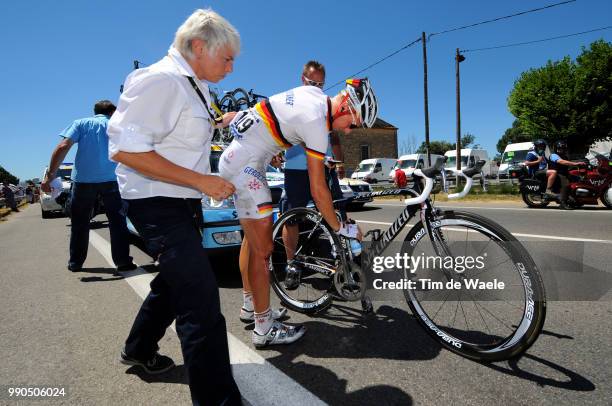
x=429 y=175
x=467 y=174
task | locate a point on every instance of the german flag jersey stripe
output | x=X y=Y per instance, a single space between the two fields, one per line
x=269 y=118
x=264 y=207
x=314 y=154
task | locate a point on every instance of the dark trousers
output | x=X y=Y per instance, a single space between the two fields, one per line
x=186 y=290
x=83 y=200
x=297 y=189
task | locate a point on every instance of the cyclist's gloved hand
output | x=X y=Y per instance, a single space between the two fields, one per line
x=350 y=231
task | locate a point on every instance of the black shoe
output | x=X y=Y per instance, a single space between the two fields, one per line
x=156 y=365
x=74 y=267
x=129 y=267
x=565 y=206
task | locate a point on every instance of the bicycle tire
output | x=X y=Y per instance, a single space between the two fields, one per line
x=315 y=292
x=530 y=317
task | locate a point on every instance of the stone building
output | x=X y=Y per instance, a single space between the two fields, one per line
x=380 y=141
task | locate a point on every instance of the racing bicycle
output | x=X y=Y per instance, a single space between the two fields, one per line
x=466 y=317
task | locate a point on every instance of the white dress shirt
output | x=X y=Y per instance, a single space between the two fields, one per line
x=160 y=111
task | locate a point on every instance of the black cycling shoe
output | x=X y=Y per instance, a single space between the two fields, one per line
x=156 y=365
x=292 y=280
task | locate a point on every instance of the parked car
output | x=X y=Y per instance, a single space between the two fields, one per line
x=356 y=188
x=222 y=232
x=48 y=205
x=374 y=170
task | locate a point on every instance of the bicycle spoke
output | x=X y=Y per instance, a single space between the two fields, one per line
x=440 y=308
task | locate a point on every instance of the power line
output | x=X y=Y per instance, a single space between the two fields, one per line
x=375 y=63
x=500 y=18
x=535 y=41
x=447 y=31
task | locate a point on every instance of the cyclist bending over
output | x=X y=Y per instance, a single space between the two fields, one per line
x=304 y=115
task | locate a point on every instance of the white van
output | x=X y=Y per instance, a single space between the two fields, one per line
x=409 y=161
x=469 y=157
x=374 y=170
x=515 y=152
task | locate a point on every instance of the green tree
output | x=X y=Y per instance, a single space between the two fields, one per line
x=566 y=99
x=594 y=92
x=7 y=176
x=516 y=133
x=440 y=147
x=435 y=147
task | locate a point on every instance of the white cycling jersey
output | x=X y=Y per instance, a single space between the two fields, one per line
x=298 y=116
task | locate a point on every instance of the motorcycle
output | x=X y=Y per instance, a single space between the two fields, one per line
x=586 y=184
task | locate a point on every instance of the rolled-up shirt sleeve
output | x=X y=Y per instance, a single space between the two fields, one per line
x=148 y=110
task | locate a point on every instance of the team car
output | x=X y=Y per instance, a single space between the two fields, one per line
x=356 y=189
x=222 y=232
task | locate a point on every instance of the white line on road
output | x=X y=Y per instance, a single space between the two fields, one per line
x=545 y=237
x=260 y=382
x=497 y=208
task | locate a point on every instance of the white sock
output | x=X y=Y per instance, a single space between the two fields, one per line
x=248 y=300
x=263 y=322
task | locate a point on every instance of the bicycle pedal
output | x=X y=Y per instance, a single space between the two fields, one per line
x=375 y=233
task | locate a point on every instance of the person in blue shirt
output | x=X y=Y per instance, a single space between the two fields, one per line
x=535 y=160
x=536 y=163
x=297 y=192
x=93 y=175
x=559 y=168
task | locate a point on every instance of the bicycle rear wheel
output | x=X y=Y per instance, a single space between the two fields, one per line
x=317 y=257
x=480 y=322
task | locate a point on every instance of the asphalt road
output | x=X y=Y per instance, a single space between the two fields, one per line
x=66 y=329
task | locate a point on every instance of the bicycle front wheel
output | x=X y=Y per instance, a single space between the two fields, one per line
x=488 y=308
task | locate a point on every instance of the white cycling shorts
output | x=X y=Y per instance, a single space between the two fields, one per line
x=247 y=173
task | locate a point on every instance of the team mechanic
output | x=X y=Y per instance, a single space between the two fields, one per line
x=304 y=115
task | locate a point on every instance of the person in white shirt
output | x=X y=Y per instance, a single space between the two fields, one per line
x=304 y=115
x=160 y=135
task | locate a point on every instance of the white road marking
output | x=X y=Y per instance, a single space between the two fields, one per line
x=496 y=208
x=545 y=237
x=260 y=382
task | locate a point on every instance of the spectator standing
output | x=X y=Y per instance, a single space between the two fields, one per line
x=93 y=175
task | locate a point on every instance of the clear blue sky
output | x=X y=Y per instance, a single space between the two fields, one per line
x=60 y=57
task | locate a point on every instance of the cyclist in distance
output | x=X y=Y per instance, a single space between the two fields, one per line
x=303 y=115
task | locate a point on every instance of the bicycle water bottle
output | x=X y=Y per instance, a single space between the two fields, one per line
x=355 y=247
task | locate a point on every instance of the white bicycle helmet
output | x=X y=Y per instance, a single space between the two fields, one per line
x=363 y=100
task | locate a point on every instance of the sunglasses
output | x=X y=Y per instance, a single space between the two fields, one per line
x=310 y=82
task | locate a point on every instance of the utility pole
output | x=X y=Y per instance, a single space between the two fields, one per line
x=458 y=59
x=424 y=41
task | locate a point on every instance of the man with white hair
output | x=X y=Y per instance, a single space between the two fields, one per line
x=161 y=135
